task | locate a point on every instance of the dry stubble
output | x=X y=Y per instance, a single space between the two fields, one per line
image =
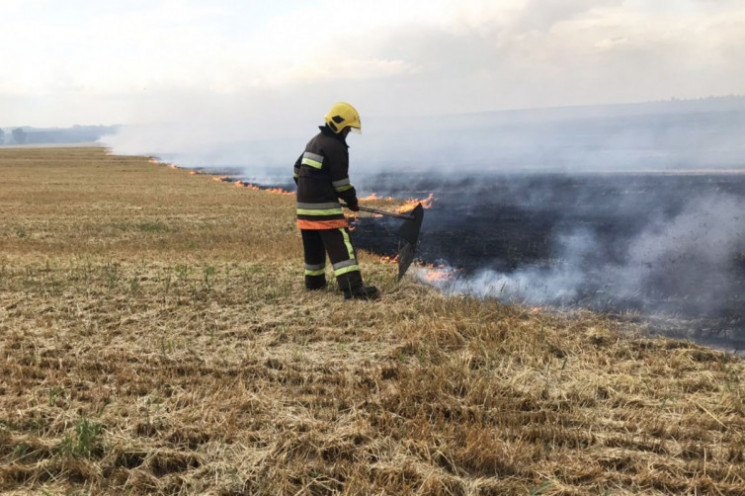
x=156 y=339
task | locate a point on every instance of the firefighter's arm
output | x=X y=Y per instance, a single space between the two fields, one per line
x=339 y=169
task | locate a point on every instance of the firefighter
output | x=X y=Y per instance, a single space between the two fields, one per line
x=322 y=178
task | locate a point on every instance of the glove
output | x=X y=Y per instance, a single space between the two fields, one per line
x=354 y=207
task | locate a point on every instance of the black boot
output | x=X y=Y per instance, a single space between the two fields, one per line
x=361 y=293
x=314 y=283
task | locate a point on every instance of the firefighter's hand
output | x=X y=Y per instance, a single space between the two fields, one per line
x=354 y=207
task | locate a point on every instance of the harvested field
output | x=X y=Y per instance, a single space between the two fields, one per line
x=155 y=338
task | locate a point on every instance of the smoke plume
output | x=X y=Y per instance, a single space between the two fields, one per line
x=688 y=135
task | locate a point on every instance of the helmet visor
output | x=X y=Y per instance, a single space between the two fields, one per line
x=355 y=130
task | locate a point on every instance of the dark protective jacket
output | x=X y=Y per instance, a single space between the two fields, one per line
x=322 y=178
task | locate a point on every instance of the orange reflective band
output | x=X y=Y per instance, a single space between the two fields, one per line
x=321 y=224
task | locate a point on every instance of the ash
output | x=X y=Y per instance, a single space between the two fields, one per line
x=667 y=246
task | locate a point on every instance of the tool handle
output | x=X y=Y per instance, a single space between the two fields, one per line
x=382 y=212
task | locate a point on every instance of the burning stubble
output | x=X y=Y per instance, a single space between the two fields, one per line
x=655 y=243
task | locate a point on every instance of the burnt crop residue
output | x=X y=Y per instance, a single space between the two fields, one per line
x=670 y=243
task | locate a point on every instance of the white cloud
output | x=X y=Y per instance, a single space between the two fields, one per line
x=132 y=61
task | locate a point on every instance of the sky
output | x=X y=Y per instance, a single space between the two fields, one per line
x=264 y=65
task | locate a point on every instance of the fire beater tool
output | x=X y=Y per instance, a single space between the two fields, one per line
x=409 y=232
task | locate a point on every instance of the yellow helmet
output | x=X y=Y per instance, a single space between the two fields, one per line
x=341 y=116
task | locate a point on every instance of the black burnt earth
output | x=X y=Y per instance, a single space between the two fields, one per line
x=670 y=243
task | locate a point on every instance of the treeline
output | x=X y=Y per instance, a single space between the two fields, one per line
x=48 y=136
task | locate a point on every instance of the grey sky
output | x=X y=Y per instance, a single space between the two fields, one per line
x=230 y=62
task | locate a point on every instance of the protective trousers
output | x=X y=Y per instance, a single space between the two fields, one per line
x=336 y=242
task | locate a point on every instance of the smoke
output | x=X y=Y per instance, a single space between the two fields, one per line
x=689 y=262
x=655 y=136
x=558 y=285
x=694 y=254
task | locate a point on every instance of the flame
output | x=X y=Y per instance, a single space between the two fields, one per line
x=536 y=310
x=411 y=204
x=374 y=197
x=279 y=191
x=387 y=259
x=253 y=187
x=155 y=161
x=437 y=274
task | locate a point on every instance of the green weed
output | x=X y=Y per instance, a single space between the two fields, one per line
x=542 y=488
x=112 y=275
x=166 y=347
x=86 y=442
x=153 y=227
x=208 y=273
x=53 y=394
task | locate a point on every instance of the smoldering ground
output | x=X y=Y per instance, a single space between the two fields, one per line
x=655 y=243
